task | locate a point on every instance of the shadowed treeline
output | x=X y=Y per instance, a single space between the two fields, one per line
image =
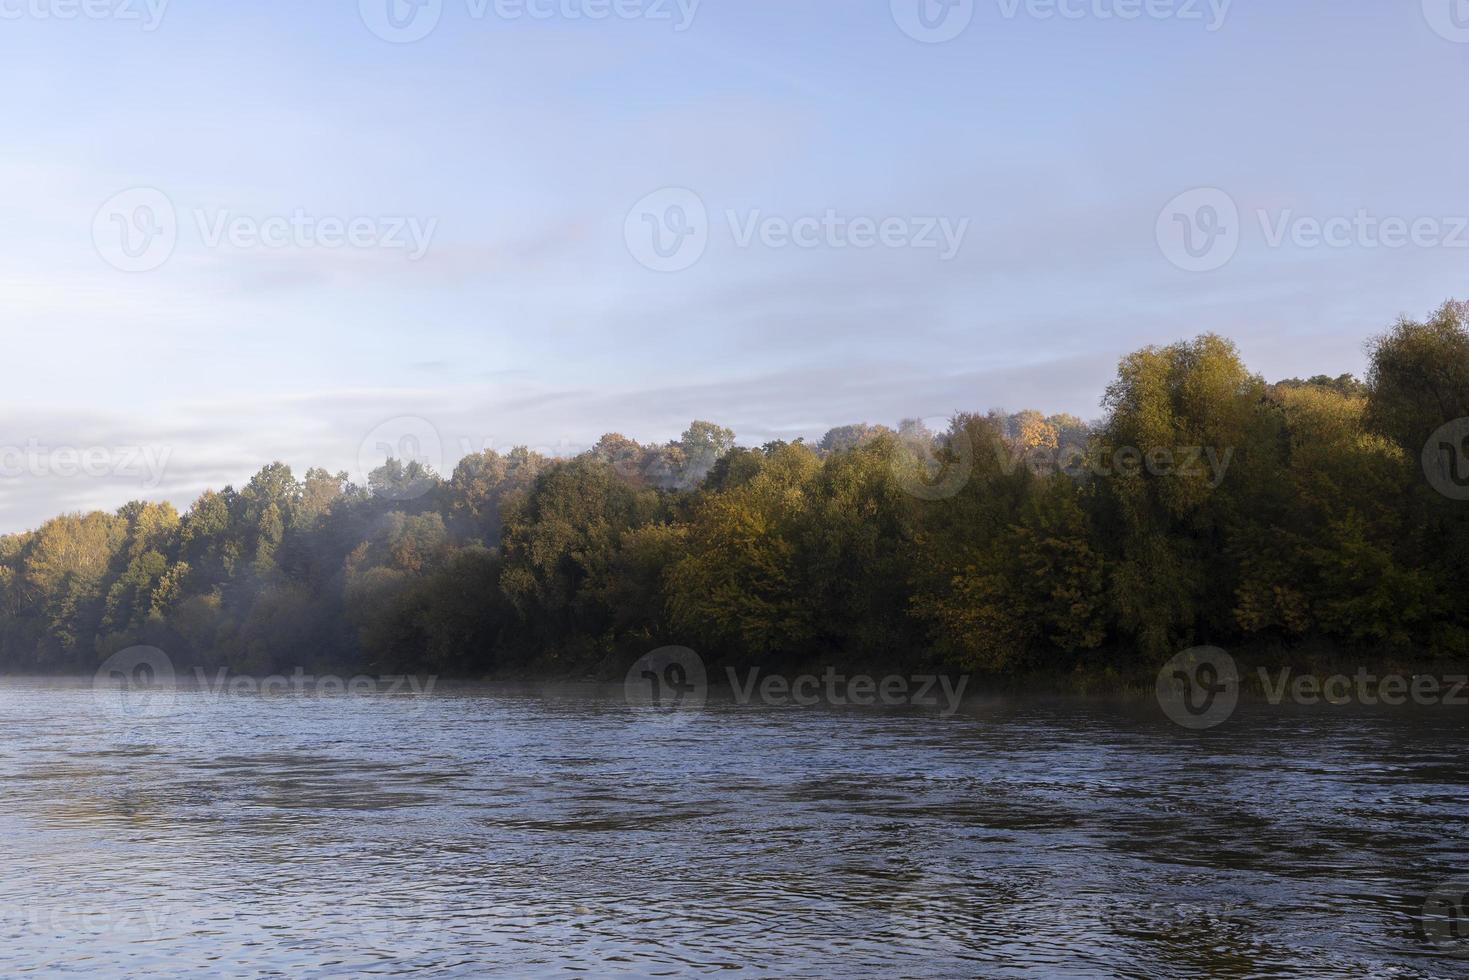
x=1205 y=506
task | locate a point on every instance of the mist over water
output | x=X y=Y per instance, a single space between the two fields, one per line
x=546 y=829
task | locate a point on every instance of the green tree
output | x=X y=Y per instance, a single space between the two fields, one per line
x=740 y=589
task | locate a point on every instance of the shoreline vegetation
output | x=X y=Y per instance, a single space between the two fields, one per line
x=1307 y=523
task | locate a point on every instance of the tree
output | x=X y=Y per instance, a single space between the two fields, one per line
x=856 y=550
x=740 y=588
x=1173 y=580
x=483 y=485
x=63 y=574
x=560 y=546
x=1418 y=378
x=1417 y=391
x=1212 y=508
x=845 y=438
x=399 y=482
x=701 y=446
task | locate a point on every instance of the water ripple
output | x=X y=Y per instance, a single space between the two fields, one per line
x=546 y=831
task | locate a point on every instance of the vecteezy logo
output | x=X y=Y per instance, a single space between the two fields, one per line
x=933 y=21
x=136 y=684
x=1445 y=918
x=1448 y=18
x=401 y=21
x=1446 y=459
x=136 y=230
x=668 y=230
x=1199 y=687
x=932 y=467
x=1199 y=230
x=391 y=451
x=668 y=685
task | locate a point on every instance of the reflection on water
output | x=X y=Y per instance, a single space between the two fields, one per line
x=538 y=832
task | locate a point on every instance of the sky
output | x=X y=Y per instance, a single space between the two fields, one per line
x=234 y=233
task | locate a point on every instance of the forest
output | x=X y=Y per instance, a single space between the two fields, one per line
x=1206 y=505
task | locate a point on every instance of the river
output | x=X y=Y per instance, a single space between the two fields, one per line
x=555 y=830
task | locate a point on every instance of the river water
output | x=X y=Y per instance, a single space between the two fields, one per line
x=540 y=831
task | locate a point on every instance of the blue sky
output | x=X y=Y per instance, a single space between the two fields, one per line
x=525 y=142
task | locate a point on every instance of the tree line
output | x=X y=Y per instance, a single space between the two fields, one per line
x=1205 y=506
